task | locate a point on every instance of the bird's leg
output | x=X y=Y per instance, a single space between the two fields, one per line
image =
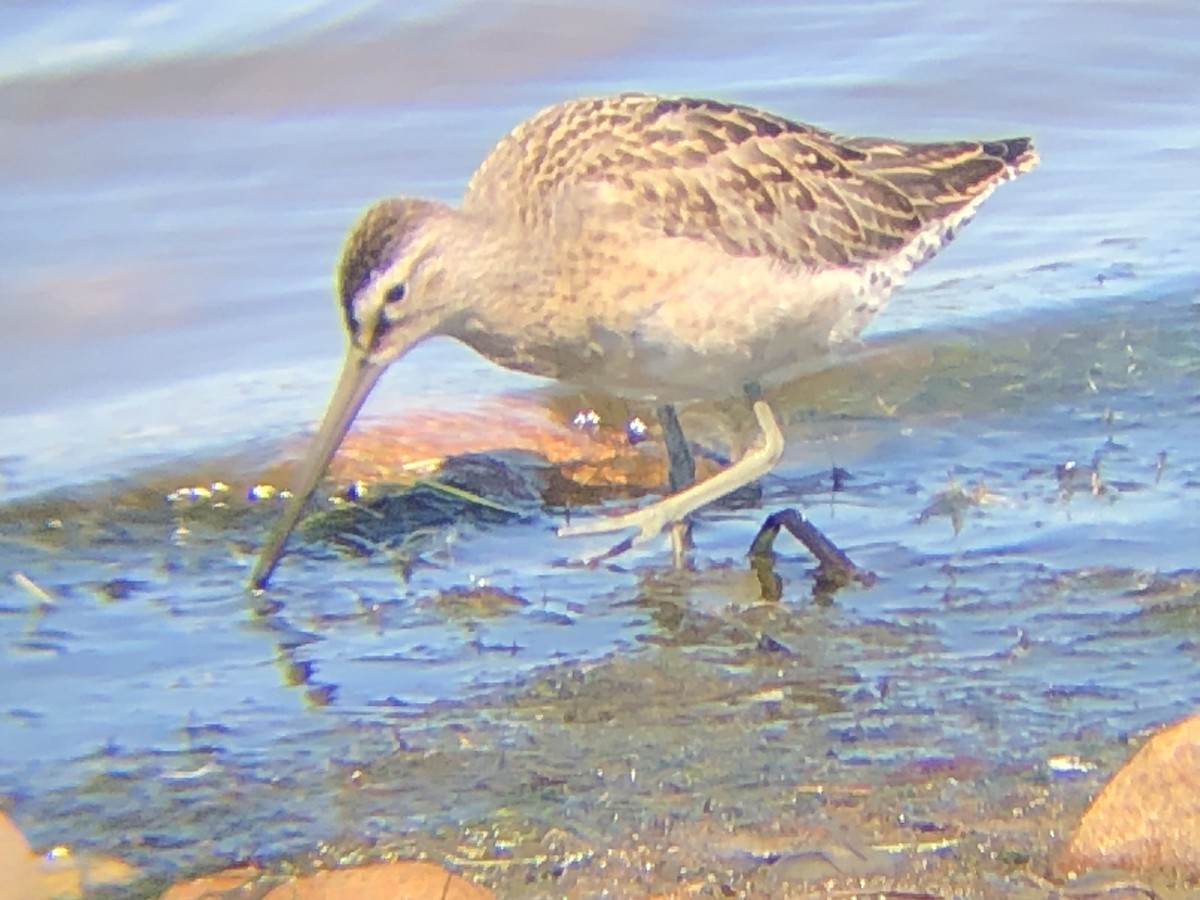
x=681 y=473
x=651 y=520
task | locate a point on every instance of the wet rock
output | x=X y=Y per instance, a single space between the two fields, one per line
x=78 y=875
x=390 y=515
x=210 y=887
x=572 y=458
x=22 y=877
x=422 y=441
x=1148 y=815
x=25 y=875
x=385 y=881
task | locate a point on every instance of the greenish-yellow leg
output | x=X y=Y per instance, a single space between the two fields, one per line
x=651 y=520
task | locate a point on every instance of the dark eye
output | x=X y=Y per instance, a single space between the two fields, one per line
x=395 y=293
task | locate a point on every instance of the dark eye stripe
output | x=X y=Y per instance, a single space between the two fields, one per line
x=395 y=293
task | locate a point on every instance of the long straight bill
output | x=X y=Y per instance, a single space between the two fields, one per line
x=358 y=376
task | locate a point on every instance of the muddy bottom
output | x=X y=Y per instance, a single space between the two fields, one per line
x=740 y=753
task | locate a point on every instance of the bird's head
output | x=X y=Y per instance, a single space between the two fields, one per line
x=390 y=279
x=391 y=289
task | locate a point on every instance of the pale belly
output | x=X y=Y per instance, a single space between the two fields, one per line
x=759 y=331
x=693 y=332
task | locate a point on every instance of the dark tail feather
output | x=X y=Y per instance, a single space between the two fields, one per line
x=1017 y=153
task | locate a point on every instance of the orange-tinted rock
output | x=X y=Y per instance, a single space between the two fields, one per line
x=1148 y=815
x=384 y=881
x=388 y=451
x=21 y=877
x=67 y=874
x=213 y=887
x=25 y=875
x=375 y=451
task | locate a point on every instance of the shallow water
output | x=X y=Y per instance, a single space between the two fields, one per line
x=169 y=213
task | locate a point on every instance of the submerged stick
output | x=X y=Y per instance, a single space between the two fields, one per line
x=835 y=569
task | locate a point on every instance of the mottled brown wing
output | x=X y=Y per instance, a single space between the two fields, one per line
x=743 y=180
x=792 y=194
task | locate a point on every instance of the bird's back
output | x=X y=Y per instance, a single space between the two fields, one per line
x=745 y=181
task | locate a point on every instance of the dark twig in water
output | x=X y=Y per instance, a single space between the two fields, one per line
x=835 y=570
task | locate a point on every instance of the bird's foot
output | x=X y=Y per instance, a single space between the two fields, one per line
x=652 y=519
x=649 y=522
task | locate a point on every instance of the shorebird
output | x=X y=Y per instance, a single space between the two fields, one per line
x=664 y=248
